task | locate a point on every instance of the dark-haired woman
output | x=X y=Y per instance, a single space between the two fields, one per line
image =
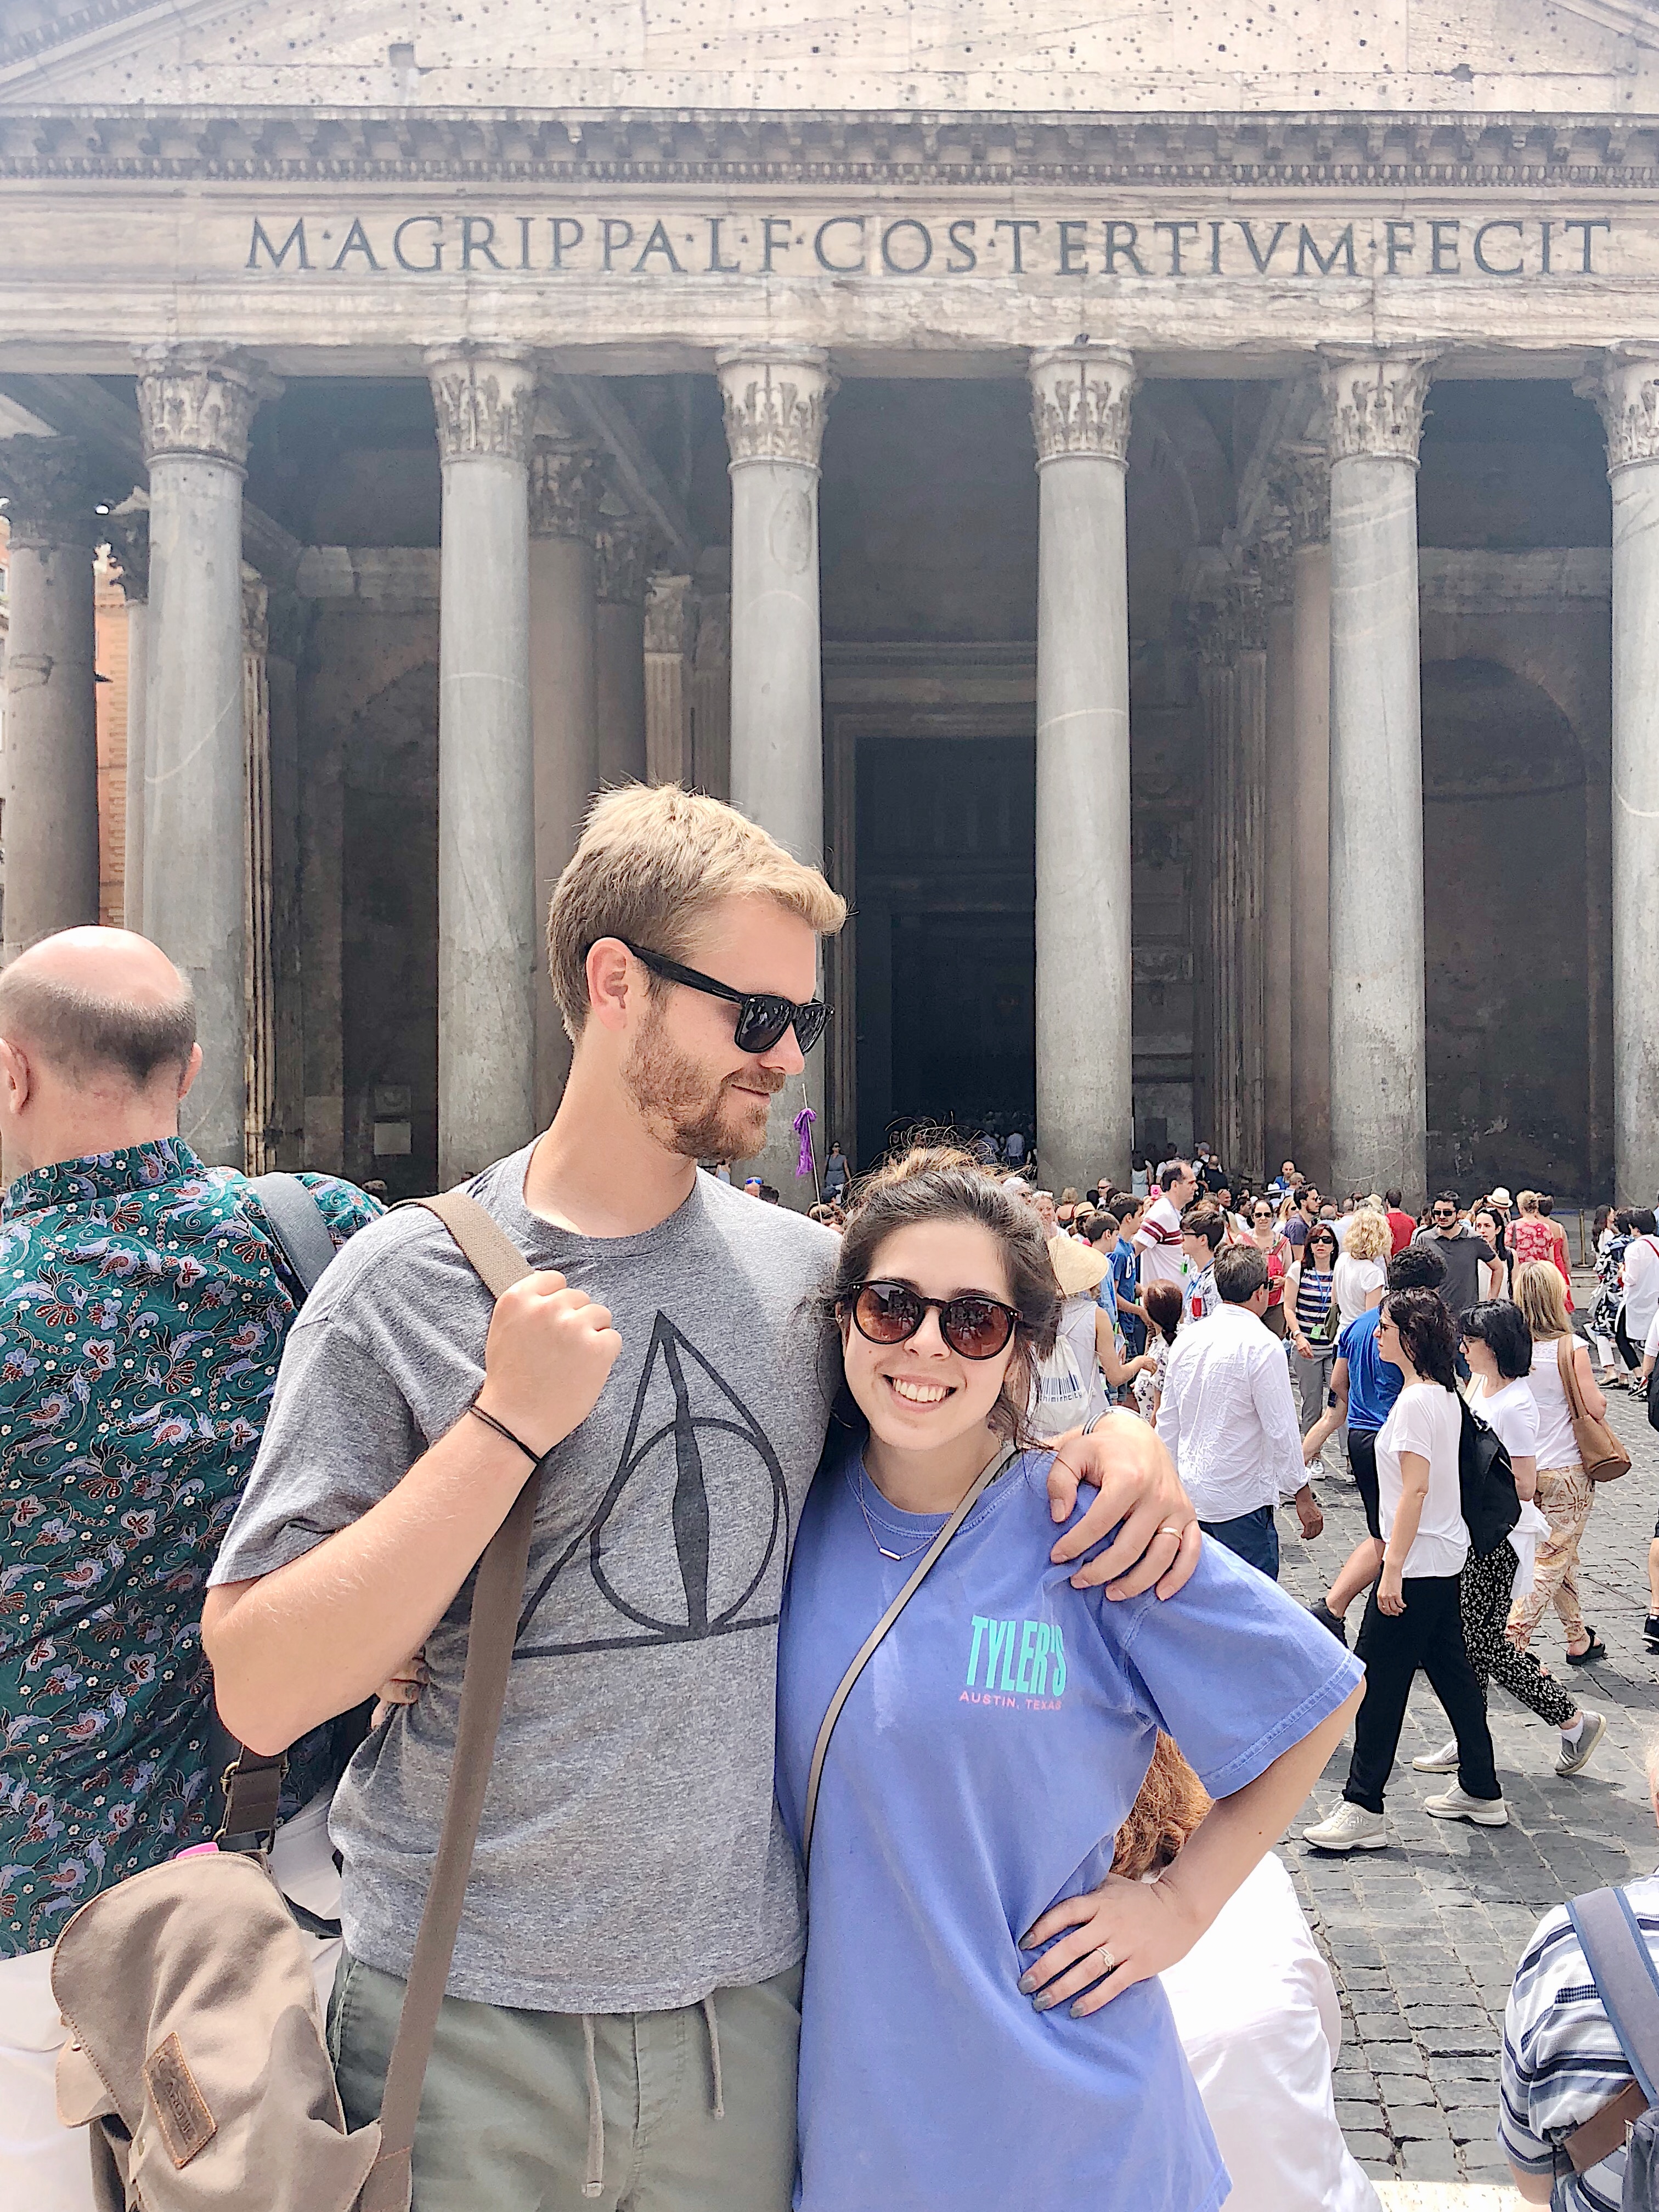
x=1311 y=1294
x=1498 y=1344
x=1413 y=1617
x=965 y=1922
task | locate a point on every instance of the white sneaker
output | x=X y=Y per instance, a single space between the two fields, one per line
x=1443 y=1761
x=1458 y=1805
x=1350 y=1828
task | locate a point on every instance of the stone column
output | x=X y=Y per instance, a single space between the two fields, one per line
x=1080 y=400
x=622 y=550
x=711 y=695
x=564 y=495
x=196 y=407
x=126 y=530
x=1379 y=1135
x=489 y=937
x=775 y=400
x=1627 y=394
x=1306 y=491
x=1274 y=565
x=51 y=765
x=258 y=975
x=671 y=636
x=1249 y=890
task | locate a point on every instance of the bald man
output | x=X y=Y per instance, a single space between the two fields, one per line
x=144 y=1304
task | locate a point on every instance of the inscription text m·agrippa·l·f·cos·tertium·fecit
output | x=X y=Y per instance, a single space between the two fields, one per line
x=849 y=245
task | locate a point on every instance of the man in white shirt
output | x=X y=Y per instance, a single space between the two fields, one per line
x=1641 y=1280
x=1158 y=1238
x=1228 y=1418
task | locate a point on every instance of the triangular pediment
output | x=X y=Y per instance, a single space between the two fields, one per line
x=1542 y=56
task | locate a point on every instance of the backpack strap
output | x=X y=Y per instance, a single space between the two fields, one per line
x=999 y=1465
x=1616 y=1952
x=497 y=1595
x=296 y=1221
x=253 y=1781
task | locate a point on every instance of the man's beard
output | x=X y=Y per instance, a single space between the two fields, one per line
x=677 y=1106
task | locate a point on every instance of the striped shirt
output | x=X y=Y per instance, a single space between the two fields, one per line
x=1562 y=2061
x=1313 y=1304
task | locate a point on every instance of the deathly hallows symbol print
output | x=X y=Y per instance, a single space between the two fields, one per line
x=690 y=1537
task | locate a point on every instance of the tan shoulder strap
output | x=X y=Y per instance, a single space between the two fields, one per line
x=1003 y=1460
x=1566 y=1367
x=497 y=1595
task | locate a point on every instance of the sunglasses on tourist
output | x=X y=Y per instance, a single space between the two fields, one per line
x=762 y=1017
x=890 y=1313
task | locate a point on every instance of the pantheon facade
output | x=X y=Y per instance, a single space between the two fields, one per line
x=1162 y=504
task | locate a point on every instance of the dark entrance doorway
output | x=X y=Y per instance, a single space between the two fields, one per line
x=946 y=945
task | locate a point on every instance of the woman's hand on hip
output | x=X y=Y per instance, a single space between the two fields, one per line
x=1109 y=1939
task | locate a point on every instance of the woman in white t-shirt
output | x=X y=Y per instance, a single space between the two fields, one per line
x=1498 y=1344
x=1362 y=1266
x=1413 y=1618
x=1565 y=1493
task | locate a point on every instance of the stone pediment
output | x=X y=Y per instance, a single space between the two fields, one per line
x=944 y=55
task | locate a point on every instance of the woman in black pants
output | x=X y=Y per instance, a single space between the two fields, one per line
x=1413 y=1618
x=1498 y=1344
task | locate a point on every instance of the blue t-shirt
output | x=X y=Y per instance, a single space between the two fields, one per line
x=1126 y=1284
x=978 y=1774
x=1373 y=1385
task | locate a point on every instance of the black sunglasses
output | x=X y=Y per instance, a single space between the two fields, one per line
x=762 y=1017
x=890 y=1313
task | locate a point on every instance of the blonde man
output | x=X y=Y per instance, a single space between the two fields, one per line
x=623 y=2008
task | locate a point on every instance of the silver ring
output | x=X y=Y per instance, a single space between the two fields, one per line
x=1107 y=1963
x=1170 y=1529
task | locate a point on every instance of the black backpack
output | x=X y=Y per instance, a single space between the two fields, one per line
x=1486 y=1481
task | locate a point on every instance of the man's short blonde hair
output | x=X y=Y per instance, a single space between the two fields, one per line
x=652 y=860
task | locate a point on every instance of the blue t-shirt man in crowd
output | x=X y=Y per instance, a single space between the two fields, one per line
x=1364 y=1388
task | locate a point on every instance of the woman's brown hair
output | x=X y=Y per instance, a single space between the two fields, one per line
x=937 y=1182
x=1171 y=1804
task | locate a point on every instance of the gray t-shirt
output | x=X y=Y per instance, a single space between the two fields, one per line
x=631 y=1857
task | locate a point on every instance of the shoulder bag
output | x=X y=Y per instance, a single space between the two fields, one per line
x=999 y=1465
x=1604 y=1456
x=196 y=2051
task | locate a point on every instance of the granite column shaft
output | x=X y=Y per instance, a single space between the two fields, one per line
x=489 y=941
x=1080 y=403
x=1378 y=1016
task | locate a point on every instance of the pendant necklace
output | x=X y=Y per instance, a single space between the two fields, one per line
x=871 y=1526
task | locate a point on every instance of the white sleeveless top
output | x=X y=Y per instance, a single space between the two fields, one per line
x=1556 y=1449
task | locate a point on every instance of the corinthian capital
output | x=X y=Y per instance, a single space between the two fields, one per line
x=671 y=616
x=1302 y=484
x=484 y=398
x=775 y=401
x=125 y=530
x=47 y=486
x=193 y=400
x=566 y=482
x=623 y=547
x=1081 y=399
x=1626 y=396
x=1374 y=404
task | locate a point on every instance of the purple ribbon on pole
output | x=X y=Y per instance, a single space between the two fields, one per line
x=803 y=1127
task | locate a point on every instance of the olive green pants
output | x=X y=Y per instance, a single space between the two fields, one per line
x=691 y=2110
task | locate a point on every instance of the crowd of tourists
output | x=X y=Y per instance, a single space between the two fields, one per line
x=480 y=1715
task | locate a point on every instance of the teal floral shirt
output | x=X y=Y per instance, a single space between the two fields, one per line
x=143 y=1306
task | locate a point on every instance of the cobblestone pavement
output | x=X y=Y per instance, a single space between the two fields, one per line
x=1423 y=1937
